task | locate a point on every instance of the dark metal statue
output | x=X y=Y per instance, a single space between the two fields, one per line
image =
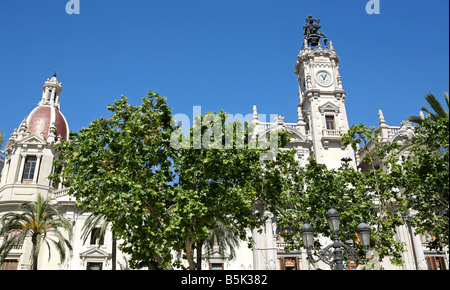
x=312 y=32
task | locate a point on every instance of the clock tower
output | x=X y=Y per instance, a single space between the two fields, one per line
x=322 y=97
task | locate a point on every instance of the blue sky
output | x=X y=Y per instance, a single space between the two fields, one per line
x=226 y=55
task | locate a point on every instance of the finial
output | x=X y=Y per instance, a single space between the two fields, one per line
x=381 y=117
x=255 y=113
x=54 y=74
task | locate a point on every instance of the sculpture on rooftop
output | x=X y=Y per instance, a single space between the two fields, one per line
x=313 y=33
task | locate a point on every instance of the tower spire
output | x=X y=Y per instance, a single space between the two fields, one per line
x=50 y=92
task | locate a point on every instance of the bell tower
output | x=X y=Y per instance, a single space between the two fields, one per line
x=322 y=97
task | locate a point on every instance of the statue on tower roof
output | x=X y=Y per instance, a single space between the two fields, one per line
x=312 y=32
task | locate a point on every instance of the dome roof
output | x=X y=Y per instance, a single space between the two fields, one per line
x=44 y=120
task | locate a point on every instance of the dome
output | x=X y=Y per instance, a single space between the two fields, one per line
x=44 y=120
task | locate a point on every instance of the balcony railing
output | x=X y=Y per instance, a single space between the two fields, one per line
x=332 y=133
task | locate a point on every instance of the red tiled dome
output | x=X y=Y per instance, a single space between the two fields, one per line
x=41 y=119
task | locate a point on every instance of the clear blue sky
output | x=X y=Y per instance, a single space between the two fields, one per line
x=226 y=55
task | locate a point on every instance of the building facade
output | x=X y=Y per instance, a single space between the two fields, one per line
x=28 y=163
x=321 y=120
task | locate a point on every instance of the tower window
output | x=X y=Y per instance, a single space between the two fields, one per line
x=49 y=95
x=29 y=170
x=331 y=125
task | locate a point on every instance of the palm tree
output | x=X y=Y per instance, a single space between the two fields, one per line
x=42 y=222
x=92 y=223
x=222 y=239
x=439 y=112
x=436 y=106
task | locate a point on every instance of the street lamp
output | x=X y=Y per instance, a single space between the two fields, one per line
x=333 y=218
x=337 y=254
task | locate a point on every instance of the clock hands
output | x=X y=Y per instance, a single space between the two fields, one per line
x=323 y=78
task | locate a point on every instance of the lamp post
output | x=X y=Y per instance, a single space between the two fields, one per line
x=336 y=254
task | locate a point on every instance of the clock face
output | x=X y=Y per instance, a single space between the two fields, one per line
x=323 y=78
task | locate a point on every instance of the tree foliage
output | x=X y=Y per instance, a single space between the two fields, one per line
x=359 y=196
x=426 y=180
x=162 y=196
x=225 y=182
x=120 y=168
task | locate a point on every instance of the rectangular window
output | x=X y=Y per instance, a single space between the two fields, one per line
x=9 y=265
x=331 y=125
x=94 y=266
x=436 y=263
x=216 y=266
x=56 y=170
x=29 y=169
x=289 y=263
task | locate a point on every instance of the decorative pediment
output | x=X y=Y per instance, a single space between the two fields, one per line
x=95 y=253
x=329 y=107
x=32 y=139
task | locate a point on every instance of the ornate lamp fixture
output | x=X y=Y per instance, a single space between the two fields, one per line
x=336 y=255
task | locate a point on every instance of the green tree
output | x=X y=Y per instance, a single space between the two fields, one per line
x=43 y=223
x=121 y=168
x=160 y=196
x=371 y=196
x=224 y=180
x=427 y=173
x=383 y=180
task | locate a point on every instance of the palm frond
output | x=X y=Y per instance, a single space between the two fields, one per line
x=224 y=238
x=446 y=100
x=91 y=223
x=439 y=111
x=415 y=119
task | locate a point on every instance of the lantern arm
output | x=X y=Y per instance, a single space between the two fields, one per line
x=350 y=254
x=327 y=255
